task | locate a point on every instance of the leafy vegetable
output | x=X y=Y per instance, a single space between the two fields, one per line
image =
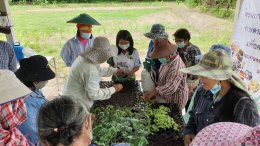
x=119 y=124
x=159 y=119
x=115 y=124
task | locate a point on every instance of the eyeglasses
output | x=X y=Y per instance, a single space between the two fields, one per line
x=178 y=40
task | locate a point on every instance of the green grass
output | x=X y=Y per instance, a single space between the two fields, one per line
x=44 y=28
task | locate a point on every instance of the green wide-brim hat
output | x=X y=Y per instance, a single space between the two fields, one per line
x=84 y=19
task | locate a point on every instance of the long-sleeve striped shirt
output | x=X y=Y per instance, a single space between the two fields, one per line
x=73 y=48
x=7 y=57
x=172 y=84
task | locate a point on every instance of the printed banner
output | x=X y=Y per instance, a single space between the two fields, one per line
x=246 y=47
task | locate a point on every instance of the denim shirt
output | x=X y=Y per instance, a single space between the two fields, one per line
x=157 y=63
x=33 y=103
x=205 y=110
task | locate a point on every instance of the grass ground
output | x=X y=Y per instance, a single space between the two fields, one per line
x=44 y=28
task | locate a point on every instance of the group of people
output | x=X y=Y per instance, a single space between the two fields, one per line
x=179 y=71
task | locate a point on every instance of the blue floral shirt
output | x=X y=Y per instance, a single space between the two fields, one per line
x=33 y=103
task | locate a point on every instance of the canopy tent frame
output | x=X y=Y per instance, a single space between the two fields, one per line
x=9 y=28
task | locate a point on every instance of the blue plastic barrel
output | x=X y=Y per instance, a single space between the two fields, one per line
x=18 y=49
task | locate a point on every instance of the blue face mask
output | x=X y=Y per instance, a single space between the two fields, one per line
x=85 y=35
x=215 y=89
x=163 y=60
x=181 y=45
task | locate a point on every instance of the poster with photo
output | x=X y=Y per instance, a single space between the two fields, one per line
x=246 y=47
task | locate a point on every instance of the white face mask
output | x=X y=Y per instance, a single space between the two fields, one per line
x=181 y=45
x=85 y=35
x=124 y=47
x=40 y=85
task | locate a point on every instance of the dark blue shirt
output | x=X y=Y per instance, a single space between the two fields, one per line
x=206 y=112
x=157 y=63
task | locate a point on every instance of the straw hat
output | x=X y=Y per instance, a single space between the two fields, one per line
x=157 y=31
x=84 y=19
x=162 y=48
x=227 y=134
x=34 y=68
x=11 y=88
x=100 y=51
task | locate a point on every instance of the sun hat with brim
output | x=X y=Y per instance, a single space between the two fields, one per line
x=214 y=65
x=216 y=47
x=33 y=69
x=162 y=48
x=217 y=65
x=227 y=134
x=84 y=19
x=157 y=31
x=11 y=88
x=100 y=51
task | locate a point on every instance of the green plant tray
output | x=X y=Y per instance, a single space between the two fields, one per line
x=168 y=137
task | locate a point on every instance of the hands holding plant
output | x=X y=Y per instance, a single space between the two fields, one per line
x=118 y=87
x=150 y=95
x=120 y=72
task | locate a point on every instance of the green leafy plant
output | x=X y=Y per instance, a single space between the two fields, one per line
x=119 y=124
x=160 y=119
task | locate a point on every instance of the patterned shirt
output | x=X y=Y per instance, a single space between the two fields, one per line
x=12 y=114
x=33 y=102
x=7 y=57
x=188 y=56
x=73 y=48
x=205 y=111
x=172 y=84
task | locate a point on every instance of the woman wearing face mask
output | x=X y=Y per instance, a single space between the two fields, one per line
x=172 y=85
x=83 y=40
x=34 y=72
x=127 y=58
x=222 y=96
x=187 y=52
x=64 y=121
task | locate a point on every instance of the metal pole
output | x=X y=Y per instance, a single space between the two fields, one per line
x=237 y=12
x=4 y=7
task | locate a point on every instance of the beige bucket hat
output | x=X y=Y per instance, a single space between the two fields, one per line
x=11 y=88
x=101 y=50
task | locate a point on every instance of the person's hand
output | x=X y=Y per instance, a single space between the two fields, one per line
x=188 y=139
x=118 y=87
x=120 y=72
x=149 y=95
x=130 y=74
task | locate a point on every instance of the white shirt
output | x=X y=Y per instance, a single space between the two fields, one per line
x=83 y=81
x=127 y=62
